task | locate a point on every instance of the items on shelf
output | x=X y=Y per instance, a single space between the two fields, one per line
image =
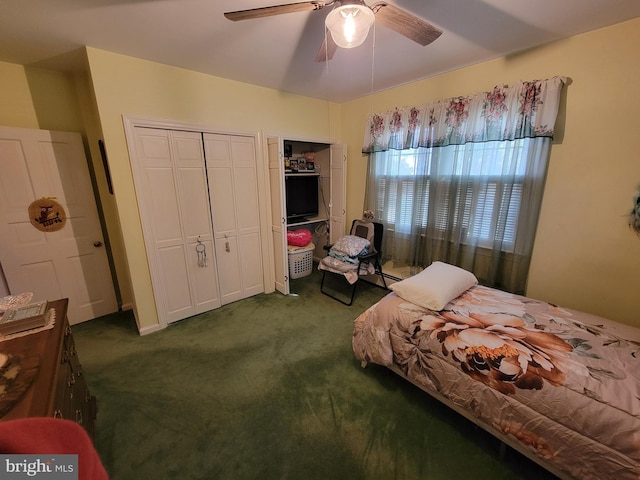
x=303 y=163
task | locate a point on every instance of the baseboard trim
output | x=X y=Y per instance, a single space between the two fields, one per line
x=148 y=330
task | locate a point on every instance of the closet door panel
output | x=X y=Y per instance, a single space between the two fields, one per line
x=218 y=149
x=159 y=200
x=188 y=154
x=243 y=151
x=194 y=200
x=170 y=176
x=233 y=187
x=243 y=156
x=187 y=147
x=338 y=208
x=223 y=201
x=230 y=275
x=162 y=206
x=248 y=213
x=160 y=214
x=278 y=213
x=176 y=293
x=205 y=282
x=252 y=279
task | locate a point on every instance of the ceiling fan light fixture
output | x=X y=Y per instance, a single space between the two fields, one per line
x=349 y=25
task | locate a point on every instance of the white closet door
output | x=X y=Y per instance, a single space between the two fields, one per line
x=196 y=217
x=278 y=221
x=338 y=209
x=245 y=182
x=233 y=189
x=169 y=173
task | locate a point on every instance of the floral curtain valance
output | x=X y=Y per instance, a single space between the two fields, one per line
x=526 y=109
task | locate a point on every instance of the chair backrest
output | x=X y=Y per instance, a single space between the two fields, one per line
x=372 y=231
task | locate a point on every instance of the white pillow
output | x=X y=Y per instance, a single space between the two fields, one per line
x=435 y=286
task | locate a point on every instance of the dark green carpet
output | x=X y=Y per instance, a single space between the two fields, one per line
x=268 y=388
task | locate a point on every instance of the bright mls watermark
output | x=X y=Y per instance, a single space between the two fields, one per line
x=49 y=467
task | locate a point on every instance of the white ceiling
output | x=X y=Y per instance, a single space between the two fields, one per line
x=278 y=52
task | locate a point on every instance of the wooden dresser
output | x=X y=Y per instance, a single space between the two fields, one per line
x=59 y=388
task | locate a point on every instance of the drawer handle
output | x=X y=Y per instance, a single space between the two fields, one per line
x=57 y=413
x=79 y=418
x=72 y=380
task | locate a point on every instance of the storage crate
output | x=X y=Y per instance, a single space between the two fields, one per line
x=301 y=261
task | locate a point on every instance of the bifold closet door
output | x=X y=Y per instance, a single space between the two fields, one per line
x=173 y=201
x=233 y=188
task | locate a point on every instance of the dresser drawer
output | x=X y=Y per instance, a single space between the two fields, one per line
x=59 y=389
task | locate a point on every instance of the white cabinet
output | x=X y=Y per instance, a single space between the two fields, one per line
x=329 y=224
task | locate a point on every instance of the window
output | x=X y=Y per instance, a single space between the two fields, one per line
x=474 y=188
x=460 y=180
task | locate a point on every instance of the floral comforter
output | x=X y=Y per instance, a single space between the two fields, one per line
x=564 y=384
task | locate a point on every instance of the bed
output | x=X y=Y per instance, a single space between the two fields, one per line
x=560 y=386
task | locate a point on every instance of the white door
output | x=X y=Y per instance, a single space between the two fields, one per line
x=337 y=204
x=170 y=179
x=68 y=263
x=233 y=189
x=278 y=214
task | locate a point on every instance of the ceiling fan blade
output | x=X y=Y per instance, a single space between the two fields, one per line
x=274 y=10
x=327 y=49
x=405 y=23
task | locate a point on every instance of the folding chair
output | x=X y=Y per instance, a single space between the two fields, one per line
x=353 y=256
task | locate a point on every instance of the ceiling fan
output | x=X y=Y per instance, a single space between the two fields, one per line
x=349 y=23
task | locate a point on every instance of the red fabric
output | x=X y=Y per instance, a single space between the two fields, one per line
x=299 y=238
x=52 y=435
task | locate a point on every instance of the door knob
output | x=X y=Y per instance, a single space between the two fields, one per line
x=97 y=244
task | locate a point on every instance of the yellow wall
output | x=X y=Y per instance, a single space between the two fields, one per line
x=47 y=99
x=585 y=257
x=38 y=98
x=128 y=86
x=17 y=106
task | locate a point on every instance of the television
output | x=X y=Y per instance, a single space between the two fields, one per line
x=302 y=196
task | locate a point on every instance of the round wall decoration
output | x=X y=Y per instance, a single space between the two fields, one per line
x=47 y=215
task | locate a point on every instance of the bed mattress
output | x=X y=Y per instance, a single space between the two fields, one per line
x=562 y=386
